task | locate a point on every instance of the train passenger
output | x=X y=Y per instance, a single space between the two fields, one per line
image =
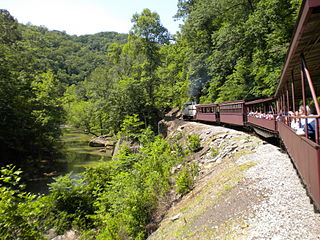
x=310 y=121
x=294 y=121
x=283 y=112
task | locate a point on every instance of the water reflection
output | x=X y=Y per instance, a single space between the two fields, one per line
x=75 y=156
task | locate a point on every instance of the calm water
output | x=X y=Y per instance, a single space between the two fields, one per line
x=76 y=155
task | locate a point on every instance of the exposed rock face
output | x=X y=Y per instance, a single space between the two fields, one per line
x=170 y=122
x=102 y=141
x=69 y=235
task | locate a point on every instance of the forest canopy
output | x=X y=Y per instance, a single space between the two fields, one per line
x=226 y=50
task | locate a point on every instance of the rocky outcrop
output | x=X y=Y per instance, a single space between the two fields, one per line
x=102 y=141
x=170 y=122
x=69 y=235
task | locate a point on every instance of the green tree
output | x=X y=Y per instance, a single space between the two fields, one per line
x=236 y=43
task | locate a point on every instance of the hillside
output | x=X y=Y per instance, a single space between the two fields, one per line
x=249 y=190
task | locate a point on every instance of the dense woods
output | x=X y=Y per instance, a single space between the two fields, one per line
x=121 y=85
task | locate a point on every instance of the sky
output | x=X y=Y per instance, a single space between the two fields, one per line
x=89 y=16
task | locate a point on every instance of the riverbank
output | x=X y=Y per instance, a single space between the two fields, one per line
x=249 y=189
x=74 y=156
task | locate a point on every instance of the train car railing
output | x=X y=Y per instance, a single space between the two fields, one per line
x=270 y=124
x=298 y=124
x=305 y=154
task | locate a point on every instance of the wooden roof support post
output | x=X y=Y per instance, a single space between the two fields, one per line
x=292 y=93
x=307 y=75
x=284 y=106
x=287 y=93
x=317 y=131
x=304 y=97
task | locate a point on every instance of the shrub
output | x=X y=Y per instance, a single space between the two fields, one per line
x=69 y=204
x=18 y=210
x=185 y=178
x=214 y=152
x=139 y=181
x=131 y=127
x=193 y=143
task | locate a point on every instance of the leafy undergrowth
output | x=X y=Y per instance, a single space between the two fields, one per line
x=117 y=200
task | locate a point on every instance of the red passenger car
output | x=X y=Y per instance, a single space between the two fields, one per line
x=207 y=112
x=261 y=116
x=299 y=83
x=233 y=112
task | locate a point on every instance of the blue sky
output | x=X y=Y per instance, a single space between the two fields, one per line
x=89 y=16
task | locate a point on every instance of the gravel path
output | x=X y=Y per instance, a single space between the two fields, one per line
x=286 y=212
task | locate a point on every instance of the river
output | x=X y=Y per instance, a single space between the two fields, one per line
x=75 y=156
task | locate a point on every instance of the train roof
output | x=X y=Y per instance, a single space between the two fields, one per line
x=232 y=102
x=261 y=101
x=207 y=105
x=306 y=41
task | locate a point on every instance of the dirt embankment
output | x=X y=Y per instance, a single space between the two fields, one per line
x=246 y=189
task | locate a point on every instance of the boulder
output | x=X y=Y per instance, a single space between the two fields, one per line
x=101 y=141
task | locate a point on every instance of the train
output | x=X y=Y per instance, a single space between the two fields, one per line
x=258 y=115
x=299 y=85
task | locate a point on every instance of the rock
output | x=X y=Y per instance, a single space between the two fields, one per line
x=163 y=128
x=70 y=235
x=176 y=168
x=51 y=234
x=175 y=113
x=51 y=174
x=101 y=141
x=176 y=217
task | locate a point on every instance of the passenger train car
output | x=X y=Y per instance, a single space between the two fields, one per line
x=273 y=117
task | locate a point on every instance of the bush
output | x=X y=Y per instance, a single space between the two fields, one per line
x=69 y=204
x=193 y=143
x=214 y=152
x=185 y=178
x=139 y=181
x=18 y=211
x=131 y=127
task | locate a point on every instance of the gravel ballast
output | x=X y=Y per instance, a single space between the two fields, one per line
x=286 y=212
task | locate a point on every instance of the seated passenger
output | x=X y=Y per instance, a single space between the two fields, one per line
x=310 y=122
x=294 y=121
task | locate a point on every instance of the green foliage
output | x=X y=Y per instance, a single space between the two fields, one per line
x=69 y=204
x=19 y=213
x=132 y=81
x=118 y=197
x=139 y=182
x=235 y=54
x=131 y=127
x=185 y=178
x=214 y=152
x=193 y=143
x=30 y=102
